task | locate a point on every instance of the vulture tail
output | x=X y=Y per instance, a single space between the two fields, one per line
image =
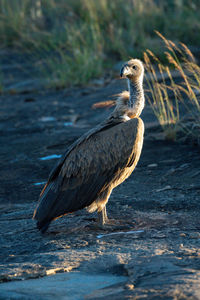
x=44 y=210
x=43 y=225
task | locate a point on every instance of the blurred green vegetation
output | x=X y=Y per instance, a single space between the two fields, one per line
x=75 y=40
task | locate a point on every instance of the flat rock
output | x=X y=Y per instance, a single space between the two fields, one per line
x=155 y=254
x=72 y=286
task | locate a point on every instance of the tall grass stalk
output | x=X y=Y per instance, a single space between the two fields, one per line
x=165 y=97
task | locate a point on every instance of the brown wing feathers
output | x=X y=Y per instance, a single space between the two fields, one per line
x=85 y=171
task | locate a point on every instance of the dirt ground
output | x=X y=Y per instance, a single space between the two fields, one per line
x=157 y=249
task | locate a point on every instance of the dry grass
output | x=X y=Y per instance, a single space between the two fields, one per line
x=165 y=95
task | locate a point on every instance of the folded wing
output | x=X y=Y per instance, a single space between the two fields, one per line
x=88 y=168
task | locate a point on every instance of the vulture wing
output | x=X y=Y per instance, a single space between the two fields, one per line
x=88 y=167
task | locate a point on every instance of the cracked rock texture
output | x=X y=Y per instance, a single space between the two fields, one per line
x=155 y=256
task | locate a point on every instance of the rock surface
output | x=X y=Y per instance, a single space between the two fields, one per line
x=155 y=255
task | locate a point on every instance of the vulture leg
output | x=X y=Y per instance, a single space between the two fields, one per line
x=101 y=207
x=102 y=217
x=104 y=213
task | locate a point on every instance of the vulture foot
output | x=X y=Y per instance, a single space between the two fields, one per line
x=110 y=224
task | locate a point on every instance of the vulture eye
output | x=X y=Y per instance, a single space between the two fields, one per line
x=134 y=67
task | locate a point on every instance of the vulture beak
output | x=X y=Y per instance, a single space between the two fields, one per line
x=125 y=70
x=122 y=72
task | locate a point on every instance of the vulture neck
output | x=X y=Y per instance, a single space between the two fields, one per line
x=130 y=103
x=136 y=98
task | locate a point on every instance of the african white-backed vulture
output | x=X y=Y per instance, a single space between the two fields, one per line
x=98 y=161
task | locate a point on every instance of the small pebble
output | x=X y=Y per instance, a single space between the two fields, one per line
x=68 y=124
x=152 y=166
x=183 y=166
x=129 y=286
x=47 y=119
x=167 y=187
x=183 y=234
x=194 y=235
x=53 y=156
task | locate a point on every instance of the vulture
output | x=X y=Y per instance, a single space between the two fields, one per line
x=98 y=161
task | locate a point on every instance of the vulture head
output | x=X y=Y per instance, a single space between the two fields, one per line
x=132 y=70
